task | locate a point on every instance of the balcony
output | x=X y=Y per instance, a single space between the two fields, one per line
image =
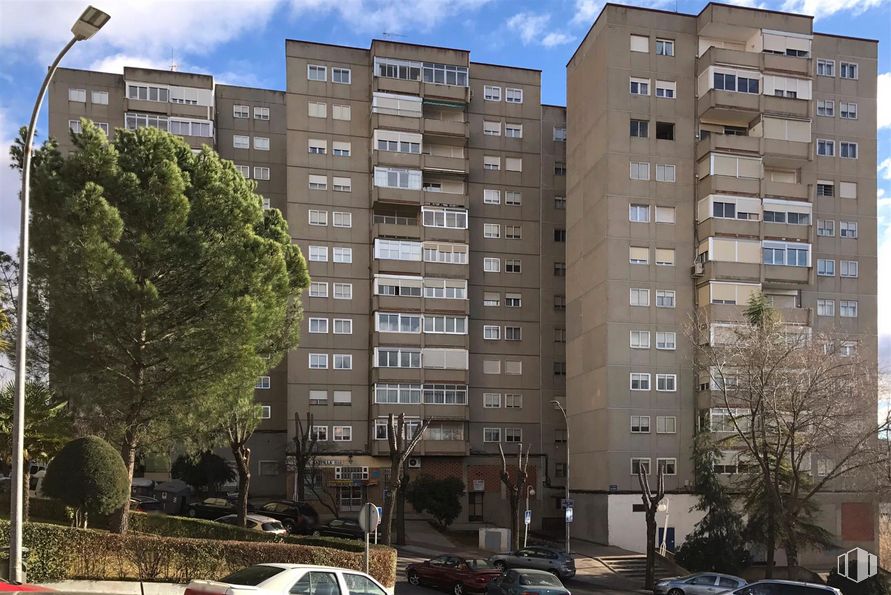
x=444 y=305
x=398 y=86
x=715 y=226
x=393 y=122
x=444 y=447
x=784 y=154
x=396 y=159
x=396 y=267
x=732 y=271
x=785 y=106
x=784 y=190
x=201 y=112
x=443 y=234
x=446 y=128
x=446 y=270
x=727 y=185
x=447 y=92
x=783 y=274
x=443 y=164
x=736 y=313
x=388 y=227
x=764 y=62
x=433 y=198
x=727 y=143
x=741 y=109
x=396 y=303
x=785 y=231
x=404 y=196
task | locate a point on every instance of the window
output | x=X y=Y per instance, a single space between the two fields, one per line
x=244 y=170
x=513 y=300
x=98 y=97
x=341 y=75
x=667 y=466
x=318 y=289
x=640 y=43
x=318 y=253
x=847 y=229
x=665 y=173
x=847 y=308
x=825 y=67
x=639 y=297
x=666 y=382
x=826 y=108
x=265 y=413
x=640 y=171
x=559 y=269
x=513 y=265
x=398 y=358
x=513 y=198
x=825 y=307
x=343 y=255
x=664 y=47
x=513 y=131
x=148 y=93
x=317 y=147
x=513 y=333
x=786 y=254
x=560 y=134
x=639 y=213
x=74 y=126
x=666 y=89
x=848 y=150
x=318 y=325
x=825 y=148
x=640 y=424
x=640 y=381
x=445 y=218
x=640 y=465
x=341 y=149
x=513 y=232
x=343 y=219
x=666 y=424
x=825 y=268
x=261 y=113
x=849 y=268
x=343 y=291
x=316 y=73
x=513 y=95
x=391 y=177
x=559 y=303
x=665 y=130
x=341 y=112
x=398 y=393
x=639 y=86
x=848 y=190
x=638 y=255
x=343 y=361
x=665 y=298
x=491 y=93
x=825 y=189
x=513 y=434
x=318 y=361
x=241 y=142
x=263 y=383
x=491 y=434
x=666 y=340
x=491 y=366
x=343 y=434
x=640 y=128
x=848 y=70
x=261 y=143
x=261 y=173
x=103 y=126
x=491 y=332
x=491 y=128
x=79 y=95
x=398 y=323
x=513 y=164
x=448 y=325
x=560 y=369
x=491 y=196
x=559 y=335
x=639 y=339
x=491 y=265
x=825 y=227
x=665 y=214
x=559 y=234
x=316 y=109
x=847 y=111
x=317 y=182
x=491 y=163
x=343 y=326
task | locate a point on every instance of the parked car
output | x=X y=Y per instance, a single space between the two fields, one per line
x=211 y=508
x=455 y=573
x=346 y=528
x=538 y=558
x=257 y=522
x=289 y=579
x=700 y=583
x=297 y=517
x=779 y=587
x=145 y=504
x=526 y=582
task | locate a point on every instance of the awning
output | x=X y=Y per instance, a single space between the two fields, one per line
x=445 y=103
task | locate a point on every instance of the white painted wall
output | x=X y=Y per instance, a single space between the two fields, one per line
x=628 y=529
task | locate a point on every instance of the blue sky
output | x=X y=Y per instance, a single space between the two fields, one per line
x=242 y=42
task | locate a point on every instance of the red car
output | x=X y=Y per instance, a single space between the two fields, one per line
x=459 y=575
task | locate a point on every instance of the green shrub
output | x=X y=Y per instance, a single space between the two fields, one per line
x=58 y=553
x=440 y=497
x=876 y=585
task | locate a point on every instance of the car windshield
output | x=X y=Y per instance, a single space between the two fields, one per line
x=150 y=505
x=273 y=526
x=537 y=579
x=252 y=575
x=479 y=564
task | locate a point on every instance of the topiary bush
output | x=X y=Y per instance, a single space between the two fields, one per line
x=88 y=475
x=440 y=497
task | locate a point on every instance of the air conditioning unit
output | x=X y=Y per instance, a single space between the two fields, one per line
x=414 y=463
x=697 y=269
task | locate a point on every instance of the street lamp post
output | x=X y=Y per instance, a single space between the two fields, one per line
x=90 y=21
x=556 y=403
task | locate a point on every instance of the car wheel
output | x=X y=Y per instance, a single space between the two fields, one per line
x=192 y=513
x=458 y=589
x=413 y=578
x=675 y=592
x=290 y=527
x=500 y=565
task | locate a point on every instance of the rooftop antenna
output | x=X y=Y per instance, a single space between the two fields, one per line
x=173 y=64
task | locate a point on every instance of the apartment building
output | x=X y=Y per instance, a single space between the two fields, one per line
x=710 y=156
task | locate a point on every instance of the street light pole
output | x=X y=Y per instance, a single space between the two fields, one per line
x=85 y=27
x=565 y=518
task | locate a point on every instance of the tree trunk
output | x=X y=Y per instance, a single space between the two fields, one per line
x=242 y=456
x=514 y=498
x=400 y=512
x=650 y=575
x=390 y=503
x=300 y=470
x=121 y=517
x=770 y=543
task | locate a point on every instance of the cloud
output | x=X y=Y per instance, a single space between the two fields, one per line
x=10 y=183
x=532 y=28
x=825 y=8
x=116 y=62
x=885 y=169
x=586 y=11
x=391 y=16
x=883 y=97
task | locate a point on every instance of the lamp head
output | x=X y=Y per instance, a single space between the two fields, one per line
x=89 y=22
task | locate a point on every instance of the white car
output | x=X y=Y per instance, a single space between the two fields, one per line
x=290 y=579
x=257 y=522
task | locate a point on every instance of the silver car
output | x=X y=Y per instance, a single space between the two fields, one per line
x=701 y=583
x=778 y=587
x=538 y=558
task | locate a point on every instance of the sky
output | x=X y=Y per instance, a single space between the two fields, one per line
x=241 y=42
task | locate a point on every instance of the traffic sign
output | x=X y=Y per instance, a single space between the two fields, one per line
x=567 y=502
x=369 y=517
x=528 y=518
x=569 y=514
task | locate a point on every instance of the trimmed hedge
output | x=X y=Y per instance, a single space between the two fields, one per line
x=59 y=553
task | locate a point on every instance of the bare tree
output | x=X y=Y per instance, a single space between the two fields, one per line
x=516 y=488
x=402 y=442
x=799 y=411
x=651 y=505
x=240 y=426
x=305 y=448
